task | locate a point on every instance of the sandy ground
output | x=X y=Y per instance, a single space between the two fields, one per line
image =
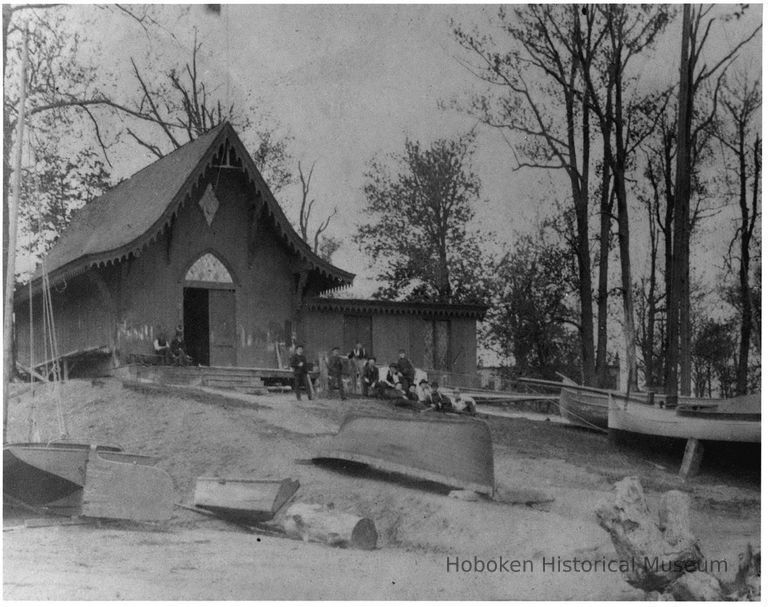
x=420 y=532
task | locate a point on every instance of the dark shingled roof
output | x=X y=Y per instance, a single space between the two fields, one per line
x=128 y=217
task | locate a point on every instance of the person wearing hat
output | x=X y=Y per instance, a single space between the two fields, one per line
x=423 y=391
x=335 y=372
x=438 y=401
x=300 y=372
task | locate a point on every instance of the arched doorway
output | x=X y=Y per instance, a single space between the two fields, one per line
x=209 y=312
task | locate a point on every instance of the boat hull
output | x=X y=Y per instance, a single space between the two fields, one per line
x=246 y=501
x=450 y=450
x=584 y=409
x=686 y=422
x=42 y=473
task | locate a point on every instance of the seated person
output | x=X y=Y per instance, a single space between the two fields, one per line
x=423 y=390
x=393 y=376
x=438 y=401
x=413 y=393
x=464 y=404
x=178 y=348
x=395 y=392
x=162 y=348
x=370 y=377
x=410 y=399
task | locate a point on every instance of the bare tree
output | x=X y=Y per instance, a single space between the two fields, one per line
x=536 y=91
x=739 y=134
x=624 y=122
x=325 y=246
x=695 y=73
x=184 y=106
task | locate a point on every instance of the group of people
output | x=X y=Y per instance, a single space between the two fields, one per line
x=173 y=352
x=398 y=384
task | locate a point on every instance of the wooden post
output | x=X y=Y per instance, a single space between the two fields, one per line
x=694 y=451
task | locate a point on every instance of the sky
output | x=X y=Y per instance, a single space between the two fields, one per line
x=348 y=82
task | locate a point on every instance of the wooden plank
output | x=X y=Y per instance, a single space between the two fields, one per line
x=694 y=452
x=121 y=490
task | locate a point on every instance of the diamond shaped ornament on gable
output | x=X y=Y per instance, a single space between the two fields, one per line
x=209 y=204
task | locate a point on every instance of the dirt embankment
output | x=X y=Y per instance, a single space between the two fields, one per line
x=421 y=532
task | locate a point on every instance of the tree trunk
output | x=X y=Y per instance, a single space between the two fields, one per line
x=745 y=293
x=679 y=275
x=585 y=292
x=606 y=204
x=651 y=378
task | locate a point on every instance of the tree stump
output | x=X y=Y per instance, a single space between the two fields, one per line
x=318 y=523
x=657 y=555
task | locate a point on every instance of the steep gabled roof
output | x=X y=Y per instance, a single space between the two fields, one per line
x=130 y=216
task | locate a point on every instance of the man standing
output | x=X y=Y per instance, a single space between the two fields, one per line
x=335 y=372
x=405 y=368
x=358 y=356
x=370 y=377
x=300 y=372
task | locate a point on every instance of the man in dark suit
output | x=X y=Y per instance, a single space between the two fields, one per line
x=405 y=368
x=358 y=356
x=335 y=373
x=370 y=378
x=300 y=372
x=438 y=401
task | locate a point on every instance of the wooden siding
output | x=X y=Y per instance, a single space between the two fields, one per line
x=321 y=330
x=84 y=317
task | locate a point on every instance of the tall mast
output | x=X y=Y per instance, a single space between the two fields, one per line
x=13 y=206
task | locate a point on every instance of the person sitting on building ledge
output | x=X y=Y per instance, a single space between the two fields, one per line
x=178 y=348
x=300 y=373
x=463 y=404
x=335 y=373
x=370 y=378
x=438 y=401
x=162 y=348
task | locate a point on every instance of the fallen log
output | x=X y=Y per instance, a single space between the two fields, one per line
x=318 y=523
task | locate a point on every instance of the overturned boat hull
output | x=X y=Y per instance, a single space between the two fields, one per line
x=450 y=450
x=40 y=474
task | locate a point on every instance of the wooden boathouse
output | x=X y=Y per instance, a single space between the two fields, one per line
x=197 y=239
